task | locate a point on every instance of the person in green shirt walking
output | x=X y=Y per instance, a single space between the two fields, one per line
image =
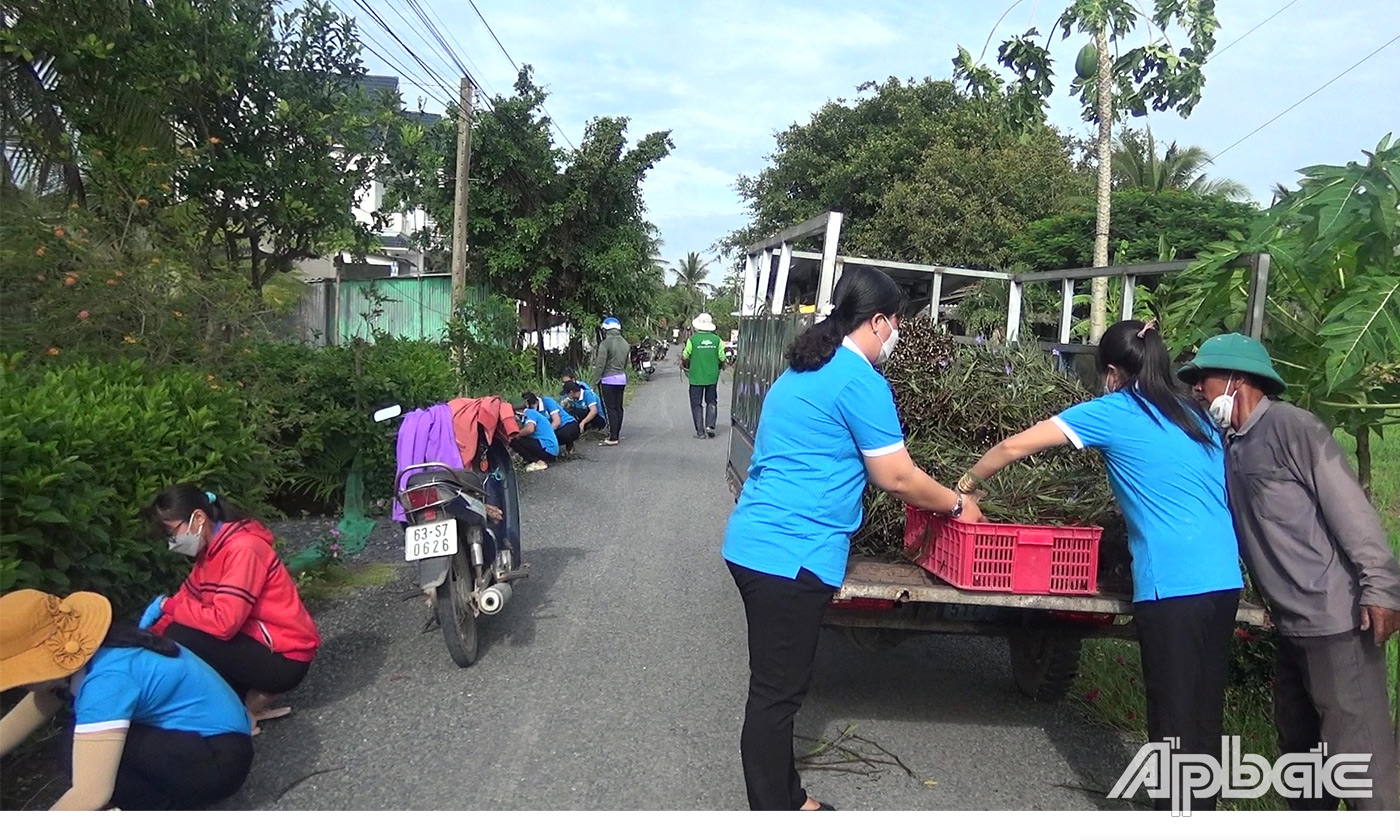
x=703 y=357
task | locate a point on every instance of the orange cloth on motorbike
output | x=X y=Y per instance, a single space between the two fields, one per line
x=471 y=417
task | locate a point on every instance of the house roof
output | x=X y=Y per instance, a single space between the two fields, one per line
x=375 y=87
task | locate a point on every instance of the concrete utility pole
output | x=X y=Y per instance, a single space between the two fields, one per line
x=459 y=205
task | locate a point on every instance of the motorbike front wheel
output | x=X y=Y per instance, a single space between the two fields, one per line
x=454 y=610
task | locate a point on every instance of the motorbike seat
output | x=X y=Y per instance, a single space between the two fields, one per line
x=469 y=480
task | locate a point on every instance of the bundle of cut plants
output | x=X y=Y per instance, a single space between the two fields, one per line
x=956 y=401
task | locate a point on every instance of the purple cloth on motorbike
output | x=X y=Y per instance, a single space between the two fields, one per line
x=425 y=435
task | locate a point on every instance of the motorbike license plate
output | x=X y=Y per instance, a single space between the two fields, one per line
x=431 y=539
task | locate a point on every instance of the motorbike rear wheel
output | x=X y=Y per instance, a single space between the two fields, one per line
x=454 y=610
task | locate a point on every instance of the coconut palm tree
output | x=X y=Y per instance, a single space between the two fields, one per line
x=691 y=283
x=1136 y=165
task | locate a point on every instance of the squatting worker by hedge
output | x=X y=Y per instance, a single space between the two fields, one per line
x=565 y=426
x=1167 y=469
x=536 y=444
x=154 y=726
x=239 y=609
x=828 y=425
x=1317 y=551
x=585 y=406
x=613 y=355
x=703 y=357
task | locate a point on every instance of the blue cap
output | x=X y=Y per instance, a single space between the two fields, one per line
x=612 y=324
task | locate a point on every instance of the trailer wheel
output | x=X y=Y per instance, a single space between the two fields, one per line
x=1044 y=664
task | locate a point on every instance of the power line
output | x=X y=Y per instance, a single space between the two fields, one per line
x=423 y=88
x=506 y=52
x=1251 y=31
x=1373 y=54
x=458 y=44
x=369 y=10
x=446 y=51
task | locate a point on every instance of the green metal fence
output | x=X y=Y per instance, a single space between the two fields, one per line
x=339 y=311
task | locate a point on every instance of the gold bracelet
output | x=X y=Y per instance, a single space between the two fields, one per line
x=969 y=483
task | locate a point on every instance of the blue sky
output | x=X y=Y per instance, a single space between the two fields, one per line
x=724 y=75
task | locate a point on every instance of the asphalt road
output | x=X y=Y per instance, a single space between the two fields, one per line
x=615 y=678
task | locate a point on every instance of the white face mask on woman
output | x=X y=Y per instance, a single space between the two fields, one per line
x=887 y=346
x=189 y=543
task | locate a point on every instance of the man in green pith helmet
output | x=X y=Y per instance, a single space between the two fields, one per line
x=703 y=357
x=1317 y=551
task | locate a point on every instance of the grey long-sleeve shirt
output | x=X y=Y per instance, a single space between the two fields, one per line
x=613 y=356
x=1313 y=543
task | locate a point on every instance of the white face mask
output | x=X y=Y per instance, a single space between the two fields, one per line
x=189 y=543
x=887 y=346
x=1222 y=408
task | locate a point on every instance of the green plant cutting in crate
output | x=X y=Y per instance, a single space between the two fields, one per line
x=955 y=402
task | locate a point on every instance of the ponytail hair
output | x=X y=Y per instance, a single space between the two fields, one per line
x=179 y=503
x=861 y=293
x=128 y=636
x=1137 y=350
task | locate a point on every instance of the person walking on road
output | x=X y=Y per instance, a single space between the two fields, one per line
x=1316 y=549
x=1166 y=465
x=613 y=355
x=828 y=423
x=703 y=358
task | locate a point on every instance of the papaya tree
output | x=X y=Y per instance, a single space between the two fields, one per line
x=1332 y=314
x=1110 y=78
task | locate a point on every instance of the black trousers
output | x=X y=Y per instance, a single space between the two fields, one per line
x=568 y=434
x=612 y=402
x=165 y=769
x=243 y=662
x=1185 y=664
x=1332 y=690
x=709 y=394
x=784 y=618
x=531 y=449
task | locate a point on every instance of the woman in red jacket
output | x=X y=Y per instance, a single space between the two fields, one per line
x=239 y=610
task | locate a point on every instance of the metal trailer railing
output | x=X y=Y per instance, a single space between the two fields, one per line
x=771 y=314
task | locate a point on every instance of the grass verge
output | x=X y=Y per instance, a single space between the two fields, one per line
x=334 y=581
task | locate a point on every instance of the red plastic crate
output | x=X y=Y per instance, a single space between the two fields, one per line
x=1001 y=557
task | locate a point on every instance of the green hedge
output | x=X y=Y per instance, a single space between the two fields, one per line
x=86 y=446
x=312 y=407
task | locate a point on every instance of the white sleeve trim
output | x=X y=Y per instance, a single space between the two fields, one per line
x=883 y=450
x=104 y=726
x=1069 y=433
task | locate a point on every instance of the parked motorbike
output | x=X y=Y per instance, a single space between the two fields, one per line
x=642 y=364
x=463 y=534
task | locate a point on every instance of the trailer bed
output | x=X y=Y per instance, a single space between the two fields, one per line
x=868 y=577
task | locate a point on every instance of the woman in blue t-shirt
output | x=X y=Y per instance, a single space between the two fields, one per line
x=155 y=727
x=1167 y=469
x=828 y=425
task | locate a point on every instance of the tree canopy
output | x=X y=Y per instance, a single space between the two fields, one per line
x=247 y=115
x=1147 y=226
x=564 y=230
x=922 y=172
x=1136 y=165
x=1333 y=310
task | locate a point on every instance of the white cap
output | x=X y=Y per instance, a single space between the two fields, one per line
x=703 y=322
